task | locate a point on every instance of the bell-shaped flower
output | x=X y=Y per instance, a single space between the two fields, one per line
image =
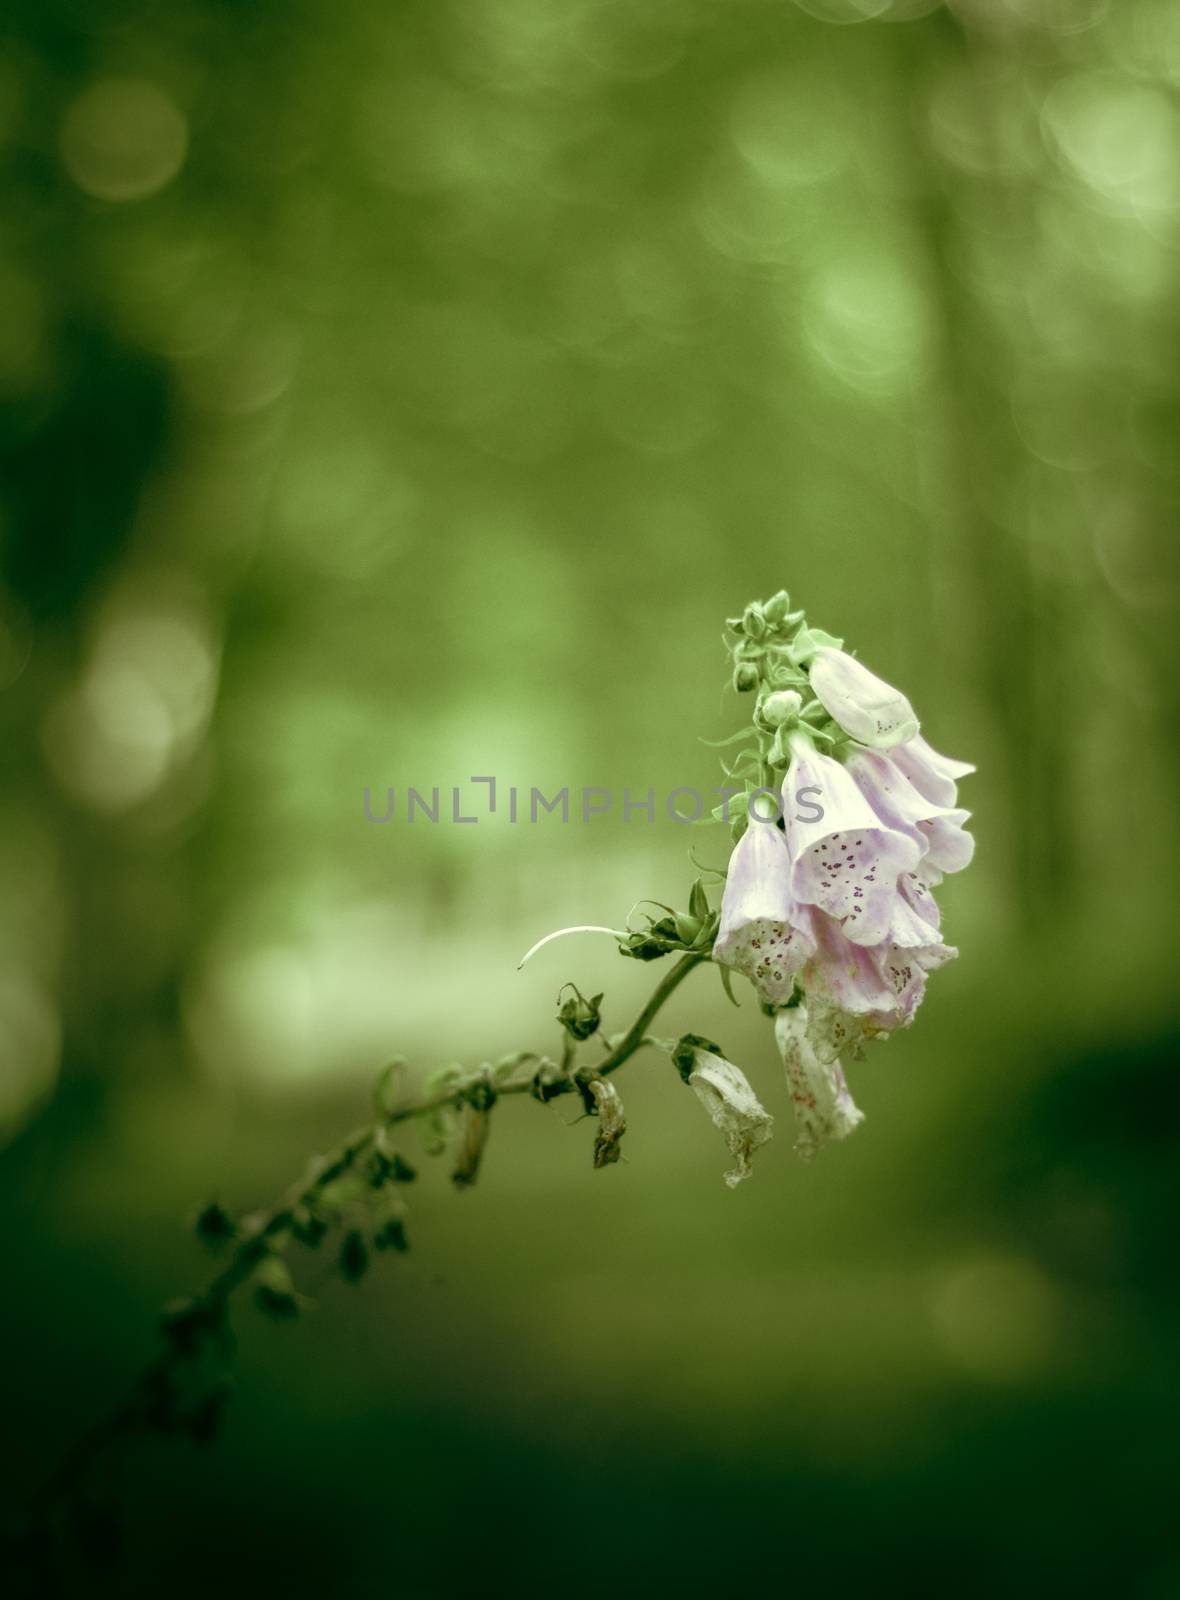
x=846 y=860
x=934 y=776
x=937 y=829
x=761 y=933
x=824 y=1109
x=871 y=710
x=725 y=1092
x=855 y=993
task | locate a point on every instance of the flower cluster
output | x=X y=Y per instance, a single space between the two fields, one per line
x=832 y=917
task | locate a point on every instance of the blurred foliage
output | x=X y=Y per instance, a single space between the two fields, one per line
x=395 y=394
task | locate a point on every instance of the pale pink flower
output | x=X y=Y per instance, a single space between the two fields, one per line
x=761 y=933
x=848 y=860
x=856 y=992
x=934 y=776
x=871 y=710
x=937 y=829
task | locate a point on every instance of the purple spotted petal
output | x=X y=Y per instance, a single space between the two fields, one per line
x=846 y=862
x=854 y=993
x=762 y=933
x=867 y=707
x=917 y=912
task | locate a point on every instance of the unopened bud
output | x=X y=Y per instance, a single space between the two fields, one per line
x=753 y=622
x=776 y=608
x=781 y=706
x=745 y=677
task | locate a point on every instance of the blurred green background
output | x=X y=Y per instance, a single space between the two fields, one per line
x=390 y=394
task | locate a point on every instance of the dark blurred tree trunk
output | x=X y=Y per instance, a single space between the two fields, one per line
x=1022 y=634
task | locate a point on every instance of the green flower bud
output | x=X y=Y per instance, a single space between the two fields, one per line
x=745 y=677
x=775 y=609
x=781 y=706
x=753 y=622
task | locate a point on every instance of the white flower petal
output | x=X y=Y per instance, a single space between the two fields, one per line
x=848 y=861
x=932 y=774
x=761 y=933
x=867 y=707
x=950 y=846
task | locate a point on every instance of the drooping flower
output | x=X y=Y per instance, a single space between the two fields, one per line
x=761 y=933
x=725 y=1092
x=856 y=992
x=846 y=860
x=945 y=844
x=845 y=892
x=933 y=775
x=871 y=710
x=824 y=1109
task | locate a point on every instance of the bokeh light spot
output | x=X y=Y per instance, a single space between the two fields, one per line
x=1122 y=139
x=996 y=1317
x=866 y=321
x=792 y=127
x=123 y=139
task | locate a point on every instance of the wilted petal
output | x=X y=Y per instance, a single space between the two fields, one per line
x=848 y=861
x=933 y=775
x=761 y=934
x=612 y=1124
x=824 y=1109
x=867 y=707
x=726 y=1095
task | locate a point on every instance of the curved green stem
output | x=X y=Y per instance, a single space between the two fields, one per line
x=137 y=1410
